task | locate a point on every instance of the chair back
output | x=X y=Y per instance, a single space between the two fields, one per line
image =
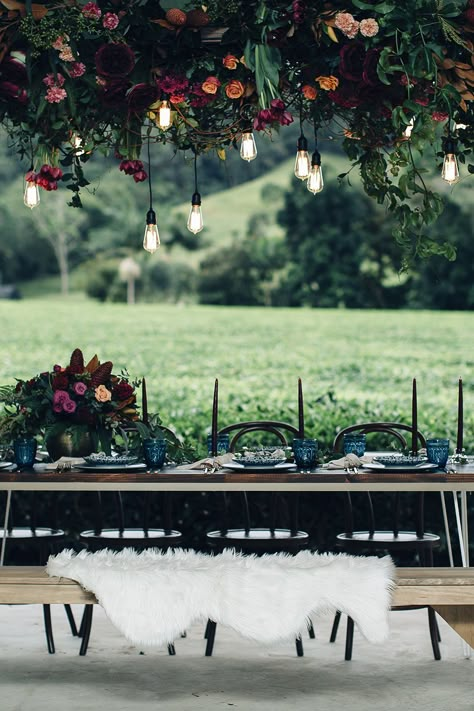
x=283 y=431
x=398 y=430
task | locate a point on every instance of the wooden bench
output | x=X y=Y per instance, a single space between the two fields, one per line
x=450 y=591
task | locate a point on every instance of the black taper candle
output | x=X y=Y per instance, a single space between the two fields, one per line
x=300 y=409
x=414 y=420
x=459 y=440
x=144 y=403
x=215 y=407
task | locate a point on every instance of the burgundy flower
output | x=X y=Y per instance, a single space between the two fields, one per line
x=262 y=119
x=57 y=368
x=200 y=97
x=114 y=94
x=114 y=60
x=369 y=72
x=140 y=176
x=123 y=390
x=13 y=69
x=173 y=84
x=75 y=369
x=141 y=96
x=9 y=91
x=351 y=65
x=60 y=382
x=346 y=96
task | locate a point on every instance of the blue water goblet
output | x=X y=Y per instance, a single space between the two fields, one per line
x=154 y=451
x=223 y=444
x=25 y=451
x=354 y=444
x=305 y=452
x=437 y=451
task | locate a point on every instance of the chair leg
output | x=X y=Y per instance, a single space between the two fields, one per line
x=335 y=626
x=349 y=639
x=171 y=650
x=86 y=625
x=48 y=628
x=299 y=646
x=211 y=633
x=71 y=620
x=311 y=630
x=206 y=631
x=434 y=633
x=184 y=634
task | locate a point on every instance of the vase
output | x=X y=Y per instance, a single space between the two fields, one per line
x=64 y=444
x=25 y=451
x=154 y=451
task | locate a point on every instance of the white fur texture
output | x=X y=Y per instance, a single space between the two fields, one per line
x=151 y=597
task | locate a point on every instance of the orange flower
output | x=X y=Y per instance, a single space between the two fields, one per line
x=210 y=85
x=177 y=98
x=234 y=89
x=328 y=83
x=102 y=394
x=230 y=62
x=309 y=92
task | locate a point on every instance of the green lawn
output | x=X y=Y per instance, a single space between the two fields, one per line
x=355 y=365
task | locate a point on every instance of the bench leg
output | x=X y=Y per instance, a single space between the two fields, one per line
x=86 y=625
x=299 y=646
x=48 y=628
x=434 y=633
x=71 y=620
x=349 y=639
x=211 y=633
x=335 y=626
x=311 y=630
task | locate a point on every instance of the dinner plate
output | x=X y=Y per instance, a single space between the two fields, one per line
x=111 y=467
x=6 y=465
x=285 y=466
x=377 y=467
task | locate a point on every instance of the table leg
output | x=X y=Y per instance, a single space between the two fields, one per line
x=461 y=524
x=5 y=527
x=446 y=528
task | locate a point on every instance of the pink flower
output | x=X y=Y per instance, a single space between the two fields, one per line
x=60 y=42
x=66 y=54
x=92 y=11
x=55 y=95
x=369 y=27
x=80 y=388
x=60 y=397
x=422 y=101
x=347 y=24
x=69 y=406
x=110 y=21
x=77 y=69
x=54 y=80
x=140 y=176
x=439 y=116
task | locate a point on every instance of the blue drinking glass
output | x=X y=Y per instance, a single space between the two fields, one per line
x=154 y=451
x=305 y=452
x=354 y=444
x=25 y=451
x=437 y=451
x=223 y=444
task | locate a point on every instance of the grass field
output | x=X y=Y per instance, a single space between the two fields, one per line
x=355 y=365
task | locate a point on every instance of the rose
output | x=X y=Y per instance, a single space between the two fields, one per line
x=114 y=93
x=92 y=11
x=114 y=60
x=329 y=83
x=141 y=96
x=110 y=21
x=102 y=394
x=9 y=90
x=369 y=70
x=60 y=382
x=69 y=406
x=351 y=64
x=230 y=62
x=234 y=89
x=210 y=85
x=14 y=68
x=80 y=388
x=309 y=92
x=59 y=398
x=122 y=390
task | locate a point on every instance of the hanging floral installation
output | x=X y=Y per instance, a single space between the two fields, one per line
x=395 y=80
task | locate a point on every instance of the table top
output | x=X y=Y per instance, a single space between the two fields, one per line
x=172 y=479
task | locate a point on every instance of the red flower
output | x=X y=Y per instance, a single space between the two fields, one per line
x=60 y=382
x=114 y=93
x=140 y=176
x=114 y=60
x=141 y=96
x=122 y=390
x=351 y=65
x=173 y=84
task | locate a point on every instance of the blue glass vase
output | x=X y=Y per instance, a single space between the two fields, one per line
x=354 y=444
x=305 y=452
x=25 y=451
x=154 y=451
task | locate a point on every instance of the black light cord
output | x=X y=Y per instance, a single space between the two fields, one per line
x=149 y=173
x=195 y=173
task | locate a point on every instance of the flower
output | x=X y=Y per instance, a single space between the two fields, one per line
x=55 y=95
x=76 y=70
x=66 y=54
x=102 y=394
x=210 y=85
x=52 y=80
x=110 y=21
x=173 y=84
x=141 y=96
x=80 y=388
x=230 y=62
x=114 y=60
x=369 y=27
x=177 y=98
x=234 y=89
x=91 y=10
x=309 y=92
x=347 y=23
x=439 y=116
x=328 y=83
x=122 y=390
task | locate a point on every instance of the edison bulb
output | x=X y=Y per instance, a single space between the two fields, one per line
x=195 y=221
x=31 y=196
x=315 y=180
x=164 y=116
x=302 y=165
x=248 y=147
x=77 y=144
x=450 y=171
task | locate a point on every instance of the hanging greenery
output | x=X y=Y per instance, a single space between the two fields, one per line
x=393 y=79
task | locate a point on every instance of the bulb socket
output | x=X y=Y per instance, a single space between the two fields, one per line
x=302 y=144
x=151 y=217
x=450 y=145
x=316 y=158
x=196 y=199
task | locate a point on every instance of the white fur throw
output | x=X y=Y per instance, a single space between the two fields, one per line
x=151 y=597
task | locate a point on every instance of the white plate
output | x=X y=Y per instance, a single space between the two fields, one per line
x=6 y=465
x=284 y=466
x=377 y=467
x=111 y=467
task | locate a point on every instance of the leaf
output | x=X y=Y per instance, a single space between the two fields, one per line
x=221 y=153
x=330 y=32
x=38 y=11
x=93 y=364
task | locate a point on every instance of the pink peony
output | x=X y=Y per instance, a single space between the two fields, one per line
x=369 y=27
x=52 y=80
x=80 y=388
x=69 y=406
x=110 y=21
x=77 y=69
x=91 y=10
x=347 y=24
x=55 y=95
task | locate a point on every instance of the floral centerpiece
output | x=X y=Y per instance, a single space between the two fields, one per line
x=392 y=80
x=85 y=402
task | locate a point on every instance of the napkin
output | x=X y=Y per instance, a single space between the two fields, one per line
x=64 y=463
x=350 y=461
x=210 y=462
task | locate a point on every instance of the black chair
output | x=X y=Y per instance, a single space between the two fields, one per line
x=393 y=541
x=44 y=541
x=247 y=538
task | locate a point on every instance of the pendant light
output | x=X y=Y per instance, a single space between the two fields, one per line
x=248 y=147
x=31 y=195
x=151 y=238
x=195 y=222
x=164 y=115
x=315 y=182
x=450 y=170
